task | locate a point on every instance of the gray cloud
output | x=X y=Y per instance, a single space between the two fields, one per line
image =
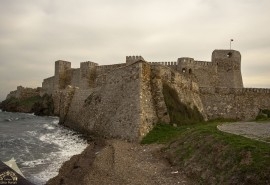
x=35 y=33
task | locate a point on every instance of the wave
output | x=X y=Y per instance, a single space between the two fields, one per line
x=49 y=127
x=38 y=144
x=34 y=163
x=69 y=144
x=11 y=119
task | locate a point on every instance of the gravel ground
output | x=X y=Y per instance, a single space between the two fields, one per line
x=117 y=162
x=254 y=130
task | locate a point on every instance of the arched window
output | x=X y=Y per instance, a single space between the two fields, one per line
x=190 y=71
x=183 y=70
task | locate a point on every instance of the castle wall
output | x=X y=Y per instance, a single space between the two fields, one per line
x=235 y=103
x=149 y=93
x=106 y=68
x=111 y=109
x=125 y=102
x=47 y=85
x=75 y=77
x=185 y=86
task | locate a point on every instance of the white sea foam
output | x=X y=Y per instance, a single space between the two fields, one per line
x=34 y=163
x=55 y=122
x=49 y=127
x=32 y=133
x=69 y=145
x=40 y=144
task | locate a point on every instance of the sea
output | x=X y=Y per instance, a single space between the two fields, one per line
x=38 y=144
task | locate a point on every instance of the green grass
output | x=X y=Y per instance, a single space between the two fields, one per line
x=163 y=133
x=225 y=157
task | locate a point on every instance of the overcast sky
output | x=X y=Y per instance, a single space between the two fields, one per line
x=35 y=33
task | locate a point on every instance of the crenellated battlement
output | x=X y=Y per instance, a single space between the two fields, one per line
x=172 y=63
x=112 y=66
x=88 y=63
x=257 y=90
x=224 y=90
x=132 y=59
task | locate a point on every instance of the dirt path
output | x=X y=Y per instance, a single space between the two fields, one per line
x=254 y=130
x=119 y=162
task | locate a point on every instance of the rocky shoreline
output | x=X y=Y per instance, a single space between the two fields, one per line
x=39 y=105
x=119 y=162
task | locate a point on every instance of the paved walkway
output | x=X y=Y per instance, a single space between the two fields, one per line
x=254 y=130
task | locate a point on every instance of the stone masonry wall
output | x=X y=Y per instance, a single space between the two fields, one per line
x=47 y=85
x=186 y=88
x=106 y=68
x=75 y=77
x=62 y=75
x=228 y=68
x=205 y=73
x=235 y=103
x=126 y=102
x=111 y=109
x=152 y=99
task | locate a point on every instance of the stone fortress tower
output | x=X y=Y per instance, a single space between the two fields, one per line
x=228 y=64
x=224 y=70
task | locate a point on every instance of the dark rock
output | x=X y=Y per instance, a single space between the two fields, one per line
x=44 y=107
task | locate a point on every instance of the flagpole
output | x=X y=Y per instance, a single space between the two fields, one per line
x=231 y=44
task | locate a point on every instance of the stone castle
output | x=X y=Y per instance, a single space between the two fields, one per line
x=223 y=71
x=126 y=100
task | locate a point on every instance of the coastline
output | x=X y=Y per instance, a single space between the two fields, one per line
x=119 y=162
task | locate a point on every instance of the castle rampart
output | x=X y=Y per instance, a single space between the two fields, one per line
x=223 y=71
x=235 y=103
x=106 y=68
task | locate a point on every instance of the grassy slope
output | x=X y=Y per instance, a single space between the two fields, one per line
x=205 y=153
x=214 y=157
